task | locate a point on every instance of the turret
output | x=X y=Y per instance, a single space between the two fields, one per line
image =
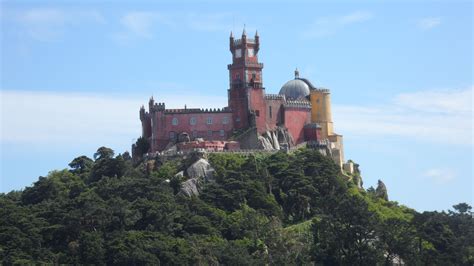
x=231 y=42
x=151 y=102
x=142 y=113
x=257 y=42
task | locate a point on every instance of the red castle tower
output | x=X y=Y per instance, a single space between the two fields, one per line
x=246 y=93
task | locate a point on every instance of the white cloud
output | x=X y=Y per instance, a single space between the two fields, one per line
x=325 y=26
x=145 y=24
x=355 y=17
x=209 y=22
x=441 y=101
x=48 y=24
x=443 y=117
x=139 y=23
x=47 y=117
x=428 y=23
x=440 y=176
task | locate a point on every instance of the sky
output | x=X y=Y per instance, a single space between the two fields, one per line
x=74 y=75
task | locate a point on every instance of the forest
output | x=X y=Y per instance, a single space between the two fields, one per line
x=259 y=209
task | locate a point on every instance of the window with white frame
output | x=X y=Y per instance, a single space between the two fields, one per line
x=225 y=120
x=221 y=133
x=174 y=121
x=209 y=121
x=192 y=121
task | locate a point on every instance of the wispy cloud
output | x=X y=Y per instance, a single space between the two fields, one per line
x=428 y=23
x=438 y=116
x=141 y=24
x=440 y=176
x=325 y=26
x=55 y=118
x=48 y=24
x=147 y=24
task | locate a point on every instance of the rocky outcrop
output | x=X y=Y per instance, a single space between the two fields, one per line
x=358 y=181
x=275 y=140
x=264 y=143
x=276 y=144
x=381 y=190
x=190 y=187
x=201 y=169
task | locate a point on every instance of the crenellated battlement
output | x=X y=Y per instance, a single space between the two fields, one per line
x=297 y=104
x=275 y=97
x=157 y=107
x=197 y=110
x=321 y=89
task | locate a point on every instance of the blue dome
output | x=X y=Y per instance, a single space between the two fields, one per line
x=295 y=89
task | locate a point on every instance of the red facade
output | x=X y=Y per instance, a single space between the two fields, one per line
x=295 y=120
x=248 y=106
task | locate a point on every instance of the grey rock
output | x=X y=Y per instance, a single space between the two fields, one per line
x=264 y=143
x=201 y=169
x=190 y=187
x=276 y=144
x=381 y=190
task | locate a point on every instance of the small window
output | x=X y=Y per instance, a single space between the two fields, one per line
x=209 y=121
x=174 y=122
x=221 y=133
x=270 y=111
x=317 y=100
x=195 y=134
x=192 y=121
x=237 y=76
x=225 y=120
x=209 y=133
x=257 y=112
x=172 y=135
x=237 y=119
x=254 y=76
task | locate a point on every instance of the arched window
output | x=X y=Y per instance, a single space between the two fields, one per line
x=174 y=122
x=192 y=121
x=225 y=120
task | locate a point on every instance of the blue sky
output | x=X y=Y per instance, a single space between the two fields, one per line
x=74 y=74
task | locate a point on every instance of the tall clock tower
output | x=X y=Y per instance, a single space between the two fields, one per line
x=246 y=93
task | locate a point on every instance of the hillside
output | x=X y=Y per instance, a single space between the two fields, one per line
x=255 y=209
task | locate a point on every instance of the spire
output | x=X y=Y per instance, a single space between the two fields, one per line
x=231 y=35
x=256 y=33
x=297 y=74
x=243 y=32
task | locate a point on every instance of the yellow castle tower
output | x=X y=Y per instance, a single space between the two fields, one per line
x=321 y=113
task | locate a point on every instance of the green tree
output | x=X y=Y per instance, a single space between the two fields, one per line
x=81 y=164
x=103 y=153
x=347 y=235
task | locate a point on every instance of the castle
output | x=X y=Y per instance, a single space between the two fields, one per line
x=300 y=114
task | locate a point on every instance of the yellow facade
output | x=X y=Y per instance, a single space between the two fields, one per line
x=321 y=111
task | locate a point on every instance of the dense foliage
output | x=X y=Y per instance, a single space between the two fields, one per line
x=261 y=209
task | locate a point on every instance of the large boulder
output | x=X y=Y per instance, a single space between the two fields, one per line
x=276 y=144
x=201 y=169
x=190 y=187
x=381 y=190
x=264 y=143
